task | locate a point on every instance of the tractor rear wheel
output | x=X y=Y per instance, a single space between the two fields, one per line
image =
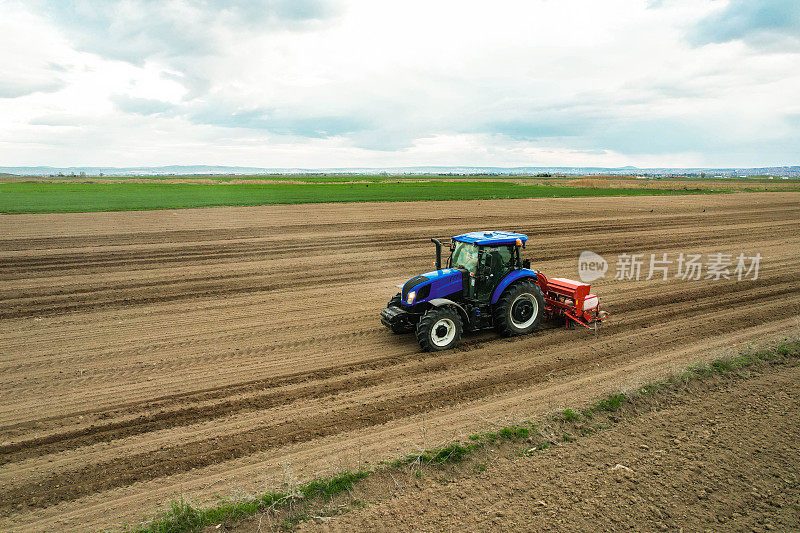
x=519 y=310
x=439 y=328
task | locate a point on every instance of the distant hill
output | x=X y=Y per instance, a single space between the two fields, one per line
x=778 y=171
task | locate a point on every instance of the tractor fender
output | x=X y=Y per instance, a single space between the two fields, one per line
x=444 y=302
x=523 y=273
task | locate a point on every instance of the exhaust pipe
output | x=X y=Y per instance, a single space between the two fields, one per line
x=438 y=253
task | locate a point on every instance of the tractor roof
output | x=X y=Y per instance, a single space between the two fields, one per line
x=489 y=238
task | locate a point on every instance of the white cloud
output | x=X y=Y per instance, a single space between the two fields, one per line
x=364 y=83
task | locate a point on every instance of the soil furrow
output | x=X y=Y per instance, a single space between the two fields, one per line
x=145 y=353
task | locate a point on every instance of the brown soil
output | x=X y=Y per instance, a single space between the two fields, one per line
x=202 y=352
x=717 y=456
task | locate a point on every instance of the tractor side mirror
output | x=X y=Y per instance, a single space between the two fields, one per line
x=526 y=263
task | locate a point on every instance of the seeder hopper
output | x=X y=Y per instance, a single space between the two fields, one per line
x=571 y=301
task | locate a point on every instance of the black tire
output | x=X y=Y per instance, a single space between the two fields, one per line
x=519 y=310
x=439 y=328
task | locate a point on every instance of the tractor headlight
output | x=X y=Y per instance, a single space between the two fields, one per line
x=410 y=298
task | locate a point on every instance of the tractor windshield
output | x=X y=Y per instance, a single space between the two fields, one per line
x=465 y=255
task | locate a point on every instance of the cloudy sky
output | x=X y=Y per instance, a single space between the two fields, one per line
x=322 y=83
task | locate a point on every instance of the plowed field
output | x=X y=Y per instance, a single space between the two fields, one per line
x=204 y=352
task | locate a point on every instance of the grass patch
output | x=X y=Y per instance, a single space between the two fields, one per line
x=41 y=197
x=184 y=517
x=456 y=452
x=611 y=403
x=327 y=487
x=514 y=432
x=569 y=415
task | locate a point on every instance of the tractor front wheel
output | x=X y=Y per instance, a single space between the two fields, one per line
x=439 y=328
x=519 y=310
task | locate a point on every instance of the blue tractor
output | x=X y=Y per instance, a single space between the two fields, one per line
x=486 y=285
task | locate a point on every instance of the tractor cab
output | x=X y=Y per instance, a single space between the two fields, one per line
x=487 y=257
